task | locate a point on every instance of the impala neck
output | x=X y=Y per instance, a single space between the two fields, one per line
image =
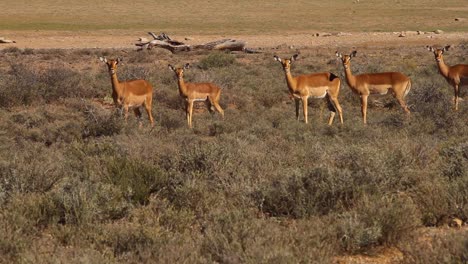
x=116 y=89
x=290 y=80
x=443 y=68
x=350 y=78
x=182 y=87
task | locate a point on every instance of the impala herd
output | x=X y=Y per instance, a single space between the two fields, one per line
x=137 y=93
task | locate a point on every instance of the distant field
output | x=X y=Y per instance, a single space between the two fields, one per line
x=235 y=17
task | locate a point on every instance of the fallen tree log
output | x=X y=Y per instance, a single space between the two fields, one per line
x=165 y=42
x=4 y=40
x=223 y=44
x=164 y=45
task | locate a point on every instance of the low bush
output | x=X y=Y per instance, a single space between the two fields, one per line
x=136 y=180
x=27 y=86
x=377 y=222
x=443 y=248
x=216 y=59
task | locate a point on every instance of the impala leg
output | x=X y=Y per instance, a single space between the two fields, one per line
x=150 y=115
x=296 y=101
x=457 y=93
x=364 y=107
x=190 y=113
x=219 y=109
x=210 y=104
x=403 y=105
x=137 y=112
x=334 y=106
x=332 y=117
x=148 y=111
x=304 y=108
x=187 y=116
x=331 y=108
x=214 y=102
x=125 y=108
x=338 y=108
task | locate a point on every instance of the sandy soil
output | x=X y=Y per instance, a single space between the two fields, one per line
x=126 y=39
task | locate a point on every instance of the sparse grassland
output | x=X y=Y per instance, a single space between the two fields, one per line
x=234 y=17
x=78 y=184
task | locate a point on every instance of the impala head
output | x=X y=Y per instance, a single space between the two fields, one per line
x=286 y=62
x=346 y=59
x=179 y=71
x=438 y=52
x=111 y=64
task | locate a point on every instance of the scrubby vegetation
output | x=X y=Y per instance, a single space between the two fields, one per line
x=78 y=184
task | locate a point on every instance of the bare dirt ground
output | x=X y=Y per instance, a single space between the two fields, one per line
x=127 y=39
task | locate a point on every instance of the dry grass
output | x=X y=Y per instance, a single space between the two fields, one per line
x=234 y=17
x=77 y=184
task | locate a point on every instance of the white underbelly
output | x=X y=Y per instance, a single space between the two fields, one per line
x=379 y=89
x=320 y=96
x=318 y=92
x=199 y=99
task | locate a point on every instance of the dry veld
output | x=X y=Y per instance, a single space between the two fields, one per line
x=234 y=17
x=79 y=184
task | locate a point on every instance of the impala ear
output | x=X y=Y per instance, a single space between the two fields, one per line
x=429 y=48
x=171 y=67
x=446 y=48
x=338 y=54
x=103 y=59
x=353 y=54
x=294 y=57
x=277 y=58
x=186 y=66
x=119 y=60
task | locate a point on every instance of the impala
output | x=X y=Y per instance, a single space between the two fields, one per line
x=130 y=94
x=192 y=92
x=375 y=83
x=315 y=85
x=457 y=75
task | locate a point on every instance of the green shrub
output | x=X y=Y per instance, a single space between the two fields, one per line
x=385 y=221
x=136 y=180
x=455 y=161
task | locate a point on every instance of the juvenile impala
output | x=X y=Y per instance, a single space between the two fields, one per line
x=375 y=83
x=457 y=75
x=130 y=94
x=192 y=92
x=315 y=85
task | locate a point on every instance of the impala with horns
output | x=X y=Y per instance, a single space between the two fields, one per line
x=130 y=94
x=375 y=83
x=456 y=75
x=315 y=85
x=193 y=92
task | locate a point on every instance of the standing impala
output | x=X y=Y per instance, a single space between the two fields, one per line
x=375 y=83
x=316 y=85
x=457 y=75
x=192 y=92
x=130 y=94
